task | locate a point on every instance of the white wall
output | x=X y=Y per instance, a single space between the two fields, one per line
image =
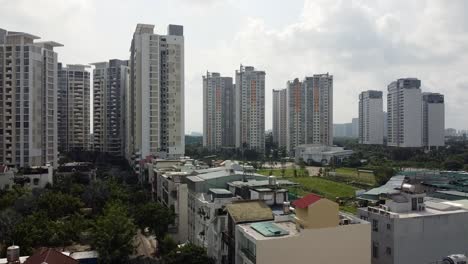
x=436 y=127
x=412 y=125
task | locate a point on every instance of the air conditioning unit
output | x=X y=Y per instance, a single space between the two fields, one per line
x=345 y=221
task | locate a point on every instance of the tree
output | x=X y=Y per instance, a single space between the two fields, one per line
x=57 y=204
x=383 y=174
x=38 y=230
x=188 y=254
x=166 y=245
x=113 y=234
x=155 y=217
x=8 y=219
x=453 y=165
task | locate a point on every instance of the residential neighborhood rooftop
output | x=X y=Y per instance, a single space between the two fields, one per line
x=270 y=230
x=249 y=211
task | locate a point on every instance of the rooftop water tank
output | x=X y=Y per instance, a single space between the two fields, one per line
x=271 y=180
x=13 y=254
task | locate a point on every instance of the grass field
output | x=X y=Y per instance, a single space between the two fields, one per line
x=351 y=174
x=289 y=172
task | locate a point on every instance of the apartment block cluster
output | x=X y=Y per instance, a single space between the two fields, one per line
x=234 y=114
x=138 y=104
x=413 y=118
x=243 y=217
x=303 y=112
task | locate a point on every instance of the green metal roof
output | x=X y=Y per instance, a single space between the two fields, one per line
x=269 y=229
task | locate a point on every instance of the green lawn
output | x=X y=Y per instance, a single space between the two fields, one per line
x=351 y=174
x=289 y=172
x=321 y=186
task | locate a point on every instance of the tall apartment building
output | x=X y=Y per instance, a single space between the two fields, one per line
x=319 y=109
x=74 y=106
x=250 y=108
x=371 y=119
x=404 y=113
x=296 y=118
x=218 y=111
x=280 y=117
x=156 y=102
x=110 y=81
x=28 y=100
x=433 y=110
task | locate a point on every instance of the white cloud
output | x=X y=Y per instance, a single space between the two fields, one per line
x=365 y=44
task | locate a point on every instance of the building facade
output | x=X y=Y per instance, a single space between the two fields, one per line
x=280 y=117
x=371 y=119
x=28 y=100
x=316 y=233
x=110 y=81
x=156 y=99
x=319 y=109
x=74 y=101
x=410 y=228
x=296 y=118
x=433 y=110
x=404 y=113
x=218 y=111
x=250 y=109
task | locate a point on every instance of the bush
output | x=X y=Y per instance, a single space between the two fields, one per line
x=453 y=165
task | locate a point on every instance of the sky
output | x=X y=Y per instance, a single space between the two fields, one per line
x=364 y=44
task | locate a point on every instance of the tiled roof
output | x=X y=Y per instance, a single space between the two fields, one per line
x=307 y=200
x=50 y=256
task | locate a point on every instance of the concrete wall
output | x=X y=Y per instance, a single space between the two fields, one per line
x=348 y=244
x=436 y=124
x=323 y=213
x=412 y=128
x=429 y=239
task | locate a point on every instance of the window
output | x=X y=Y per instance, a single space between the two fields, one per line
x=375 y=250
x=388 y=251
x=389 y=227
x=375 y=225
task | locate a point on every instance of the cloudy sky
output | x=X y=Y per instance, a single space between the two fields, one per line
x=364 y=44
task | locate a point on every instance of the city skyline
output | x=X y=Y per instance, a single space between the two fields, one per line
x=390 y=44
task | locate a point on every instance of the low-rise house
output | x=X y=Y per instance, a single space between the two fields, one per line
x=6 y=177
x=408 y=227
x=35 y=177
x=316 y=233
x=50 y=256
x=85 y=168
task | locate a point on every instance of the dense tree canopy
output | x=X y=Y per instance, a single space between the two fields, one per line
x=112 y=234
x=188 y=254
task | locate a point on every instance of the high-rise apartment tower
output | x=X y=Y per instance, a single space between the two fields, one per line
x=28 y=100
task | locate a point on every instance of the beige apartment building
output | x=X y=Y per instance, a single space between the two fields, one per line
x=156 y=98
x=317 y=233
